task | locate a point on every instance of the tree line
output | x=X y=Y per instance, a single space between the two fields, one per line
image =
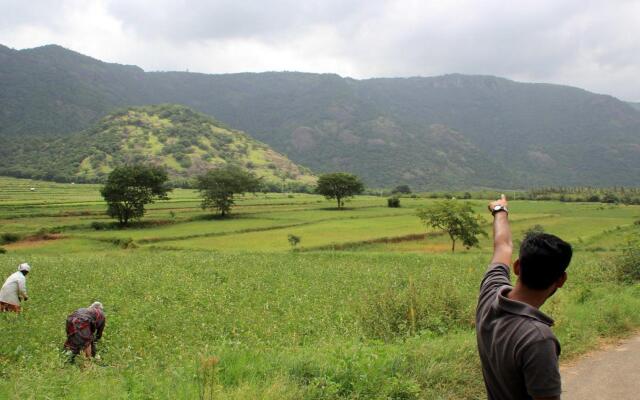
x=130 y=188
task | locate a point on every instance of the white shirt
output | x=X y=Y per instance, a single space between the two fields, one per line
x=14 y=289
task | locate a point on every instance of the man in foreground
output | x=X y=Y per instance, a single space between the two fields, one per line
x=84 y=329
x=518 y=350
x=14 y=289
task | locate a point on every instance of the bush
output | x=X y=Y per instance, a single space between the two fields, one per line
x=294 y=240
x=594 y=198
x=44 y=234
x=101 y=226
x=9 y=237
x=610 y=198
x=406 y=309
x=3 y=250
x=403 y=189
x=393 y=202
x=629 y=262
x=124 y=243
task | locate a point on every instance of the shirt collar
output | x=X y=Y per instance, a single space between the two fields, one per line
x=519 y=308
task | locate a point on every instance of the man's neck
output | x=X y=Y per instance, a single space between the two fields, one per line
x=521 y=293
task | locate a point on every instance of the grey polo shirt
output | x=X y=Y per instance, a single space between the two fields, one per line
x=519 y=353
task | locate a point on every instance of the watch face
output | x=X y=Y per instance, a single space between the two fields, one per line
x=496 y=208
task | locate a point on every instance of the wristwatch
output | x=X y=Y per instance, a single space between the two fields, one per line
x=497 y=208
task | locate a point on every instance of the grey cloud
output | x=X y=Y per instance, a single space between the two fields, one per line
x=587 y=43
x=50 y=13
x=224 y=19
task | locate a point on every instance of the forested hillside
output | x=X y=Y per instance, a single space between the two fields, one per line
x=187 y=143
x=449 y=131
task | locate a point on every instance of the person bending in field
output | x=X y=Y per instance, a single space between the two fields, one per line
x=14 y=289
x=518 y=350
x=84 y=329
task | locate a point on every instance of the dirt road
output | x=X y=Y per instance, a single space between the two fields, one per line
x=610 y=373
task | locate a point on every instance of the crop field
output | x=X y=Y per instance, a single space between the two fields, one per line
x=370 y=305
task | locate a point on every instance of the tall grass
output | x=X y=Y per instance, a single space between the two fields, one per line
x=283 y=326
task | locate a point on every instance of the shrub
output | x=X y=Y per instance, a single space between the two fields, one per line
x=594 y=198
x=403 y=189
x=629 y=262
x=100 y=226
x=294 y=241
x=44 y=234
x=9 y=237
x=393 y=202
x=610 y=198
x=3 y=250
x=406 y=309
x=124 y=243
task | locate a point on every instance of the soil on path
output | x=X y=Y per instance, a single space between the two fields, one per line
x=610 y=373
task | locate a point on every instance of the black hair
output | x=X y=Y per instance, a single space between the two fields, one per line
x=543 y=259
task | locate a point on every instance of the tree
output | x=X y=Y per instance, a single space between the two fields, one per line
x=455 y=218
x=130 y=188
x=402 y=189
x=218 y=186
x=339 y=185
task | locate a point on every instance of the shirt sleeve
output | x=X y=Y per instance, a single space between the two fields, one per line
x=22 y=288
x=497 y=275
x=100 y=327
x=540 y=369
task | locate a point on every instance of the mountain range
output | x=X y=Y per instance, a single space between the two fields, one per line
x=452 y=131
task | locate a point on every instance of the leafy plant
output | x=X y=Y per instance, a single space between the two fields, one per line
x=629 y=262
x=339 y=185
x=293 y=240
x=393 y=202
x=9 y=237
x=457 y=219
x=219 y=186
x=401 y=189
x=130 y=188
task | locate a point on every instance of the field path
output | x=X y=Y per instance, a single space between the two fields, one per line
x=610 y=373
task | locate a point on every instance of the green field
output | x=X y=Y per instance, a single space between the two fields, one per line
x=329 y=321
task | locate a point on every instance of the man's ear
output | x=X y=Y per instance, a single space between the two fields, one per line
x=516 y=267
x=563 y=278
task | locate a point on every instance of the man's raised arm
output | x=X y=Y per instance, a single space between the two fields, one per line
x=502 y=245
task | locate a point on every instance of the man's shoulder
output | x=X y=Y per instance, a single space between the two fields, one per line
x=536 y=333
x=496 y=276
x=496 y=271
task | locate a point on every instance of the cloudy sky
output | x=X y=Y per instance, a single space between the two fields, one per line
x=590 y=44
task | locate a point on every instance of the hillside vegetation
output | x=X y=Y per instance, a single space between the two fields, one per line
x=187 y=143
x=452 y=131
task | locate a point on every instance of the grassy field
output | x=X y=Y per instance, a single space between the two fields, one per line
x=199 y=307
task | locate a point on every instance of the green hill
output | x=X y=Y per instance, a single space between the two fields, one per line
x=452 y=131
x=184 y=141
